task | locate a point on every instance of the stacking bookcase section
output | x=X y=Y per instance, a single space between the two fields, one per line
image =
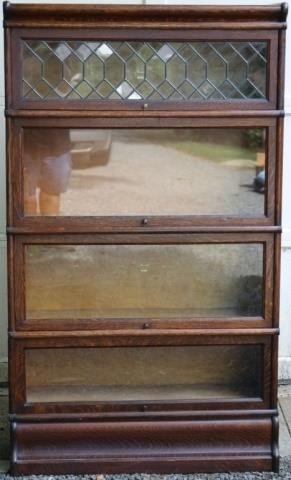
x=174 y=372
x=209 y=393
x=130 y=281
x=142 y=174
x=144 y=164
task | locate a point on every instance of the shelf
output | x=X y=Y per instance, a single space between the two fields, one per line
x=121 y=393
x=143 y=373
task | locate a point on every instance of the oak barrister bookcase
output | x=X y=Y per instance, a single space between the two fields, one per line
x=144 y=188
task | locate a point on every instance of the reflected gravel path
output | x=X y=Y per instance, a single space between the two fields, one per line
x=150 y=179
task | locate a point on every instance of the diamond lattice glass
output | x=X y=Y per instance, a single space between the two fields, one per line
x=144 y=70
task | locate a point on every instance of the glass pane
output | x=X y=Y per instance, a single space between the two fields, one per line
x=144 y=70
x=137 y=281
x=143 y=373
x=194 y=171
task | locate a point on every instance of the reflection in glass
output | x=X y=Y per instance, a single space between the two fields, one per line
x=198 y=171
x=144 y=70
x=143 y=373
x=141 y=281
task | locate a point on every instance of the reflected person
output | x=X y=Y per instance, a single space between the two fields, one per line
x=47 y=169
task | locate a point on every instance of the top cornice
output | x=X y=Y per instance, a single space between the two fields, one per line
x=152 y=17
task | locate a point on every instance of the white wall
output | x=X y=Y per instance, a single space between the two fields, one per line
x=285 y=316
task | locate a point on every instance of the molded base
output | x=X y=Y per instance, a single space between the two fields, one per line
x=161 y=446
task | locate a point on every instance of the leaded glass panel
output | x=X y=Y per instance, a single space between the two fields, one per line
x=144 y=70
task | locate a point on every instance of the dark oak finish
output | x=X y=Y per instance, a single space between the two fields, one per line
x=147 y=446
x=144 y=114
x=155 y=17
x=207 y=434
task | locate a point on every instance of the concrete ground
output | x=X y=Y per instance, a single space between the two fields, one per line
x=285 y=420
